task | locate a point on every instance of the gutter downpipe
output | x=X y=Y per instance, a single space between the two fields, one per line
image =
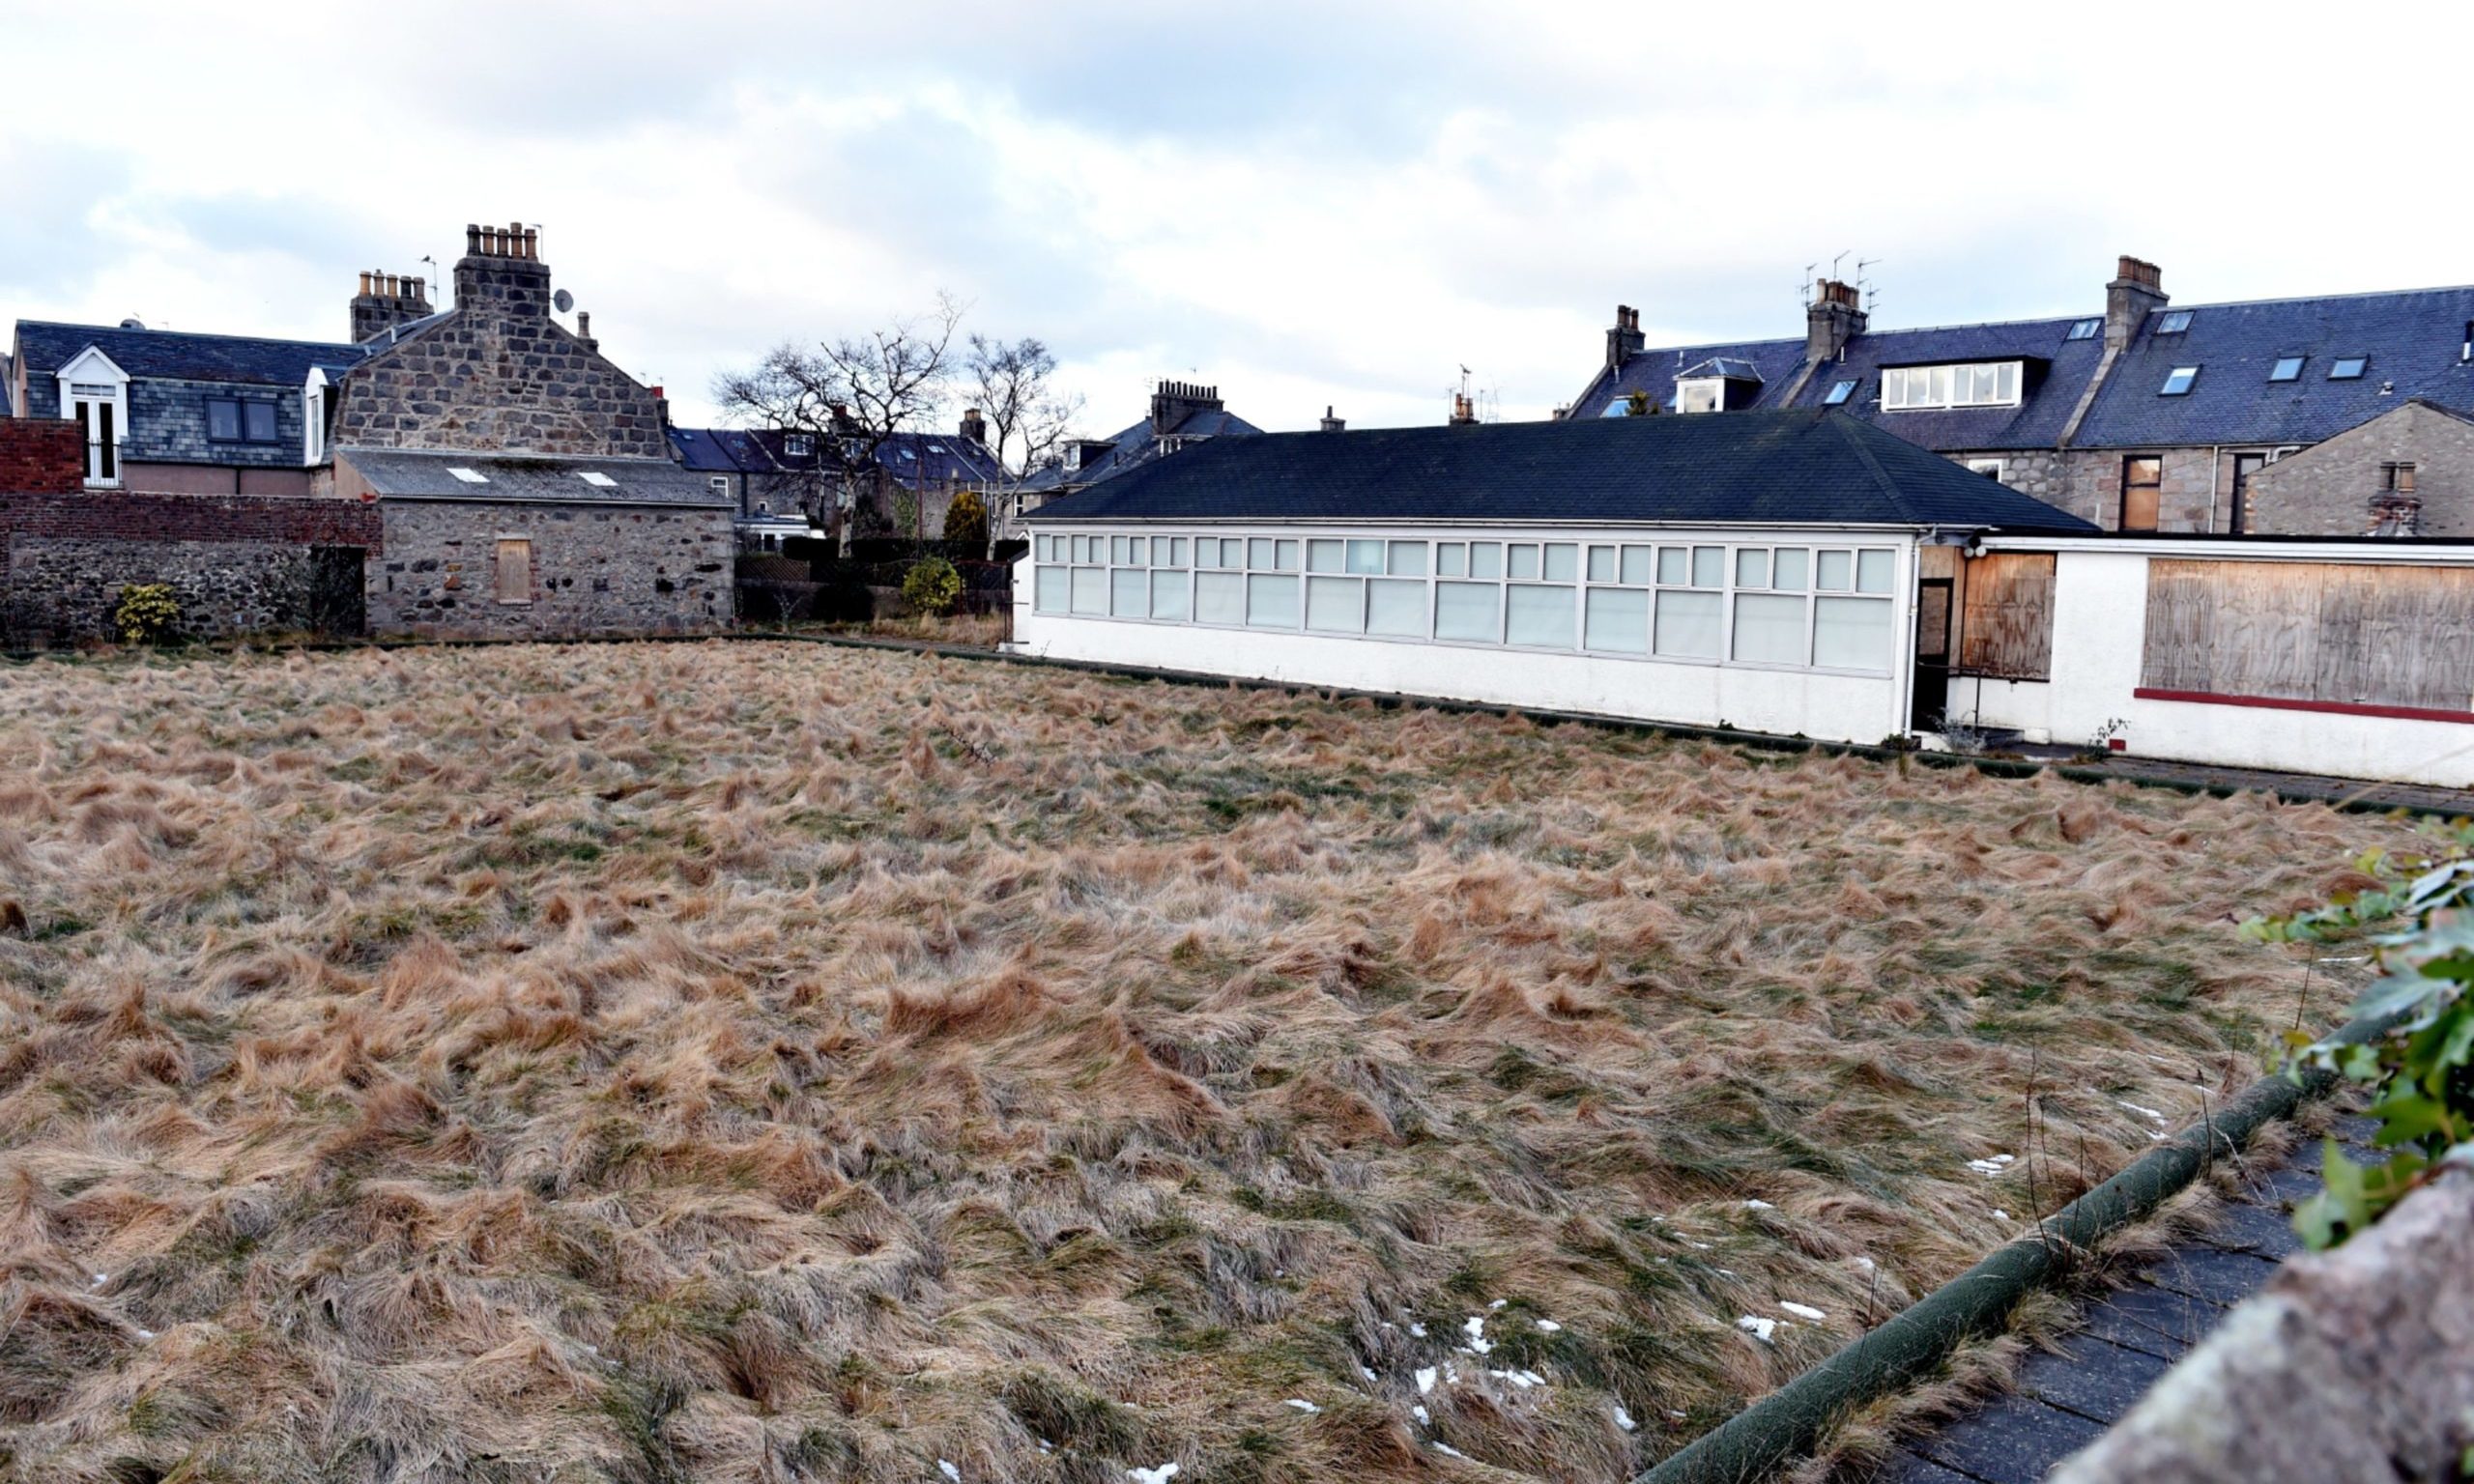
x=1791 y=1421
x=2215 y=475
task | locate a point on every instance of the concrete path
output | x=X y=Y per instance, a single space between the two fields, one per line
x=2066 y=1399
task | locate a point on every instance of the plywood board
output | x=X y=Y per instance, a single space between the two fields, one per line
x=2005 y=629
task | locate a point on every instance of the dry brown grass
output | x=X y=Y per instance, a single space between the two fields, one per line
x=737 y=1061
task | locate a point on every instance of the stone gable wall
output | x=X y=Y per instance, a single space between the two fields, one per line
x=2326 y=490
x=595 y=569
x=499 y=375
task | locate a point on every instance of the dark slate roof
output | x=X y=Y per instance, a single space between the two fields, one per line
x=1794 y=467
x=165 y=352
x=1724 y=365
x=399 y=474
x=2413 y=339
x=917 y=459
x=747 y=451
x=1137 y=446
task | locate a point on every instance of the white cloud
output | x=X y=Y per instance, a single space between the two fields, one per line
x=1305 y=205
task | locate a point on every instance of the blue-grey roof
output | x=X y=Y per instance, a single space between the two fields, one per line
x=1137 y=446
x=748 y=452
x=920 y=459
x=404 y=473
x=1793 y=467
x=2413 y=339
x=177 y=354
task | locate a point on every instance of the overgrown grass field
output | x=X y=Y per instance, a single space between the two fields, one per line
x=771 y=1061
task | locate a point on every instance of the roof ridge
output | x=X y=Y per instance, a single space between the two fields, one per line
x=193 y=334
x=1847 y=425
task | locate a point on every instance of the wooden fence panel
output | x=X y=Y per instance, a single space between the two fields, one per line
x=2005 y=629
x=2355 y=634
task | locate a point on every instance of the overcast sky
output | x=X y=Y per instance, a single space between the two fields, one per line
x=1304 y=203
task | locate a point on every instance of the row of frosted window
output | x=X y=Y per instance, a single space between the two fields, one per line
x=1820 y=607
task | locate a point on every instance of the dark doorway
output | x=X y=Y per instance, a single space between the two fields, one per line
x=1932 y=687
x=2245 y=465
x=338 y=602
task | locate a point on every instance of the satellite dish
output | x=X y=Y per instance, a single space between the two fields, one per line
x=563 y=299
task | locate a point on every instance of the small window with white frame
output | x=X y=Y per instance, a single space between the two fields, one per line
x=1978 y=383
x=1995 y=469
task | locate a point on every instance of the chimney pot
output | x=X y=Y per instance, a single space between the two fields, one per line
x=471 y=240
x=2138 y=290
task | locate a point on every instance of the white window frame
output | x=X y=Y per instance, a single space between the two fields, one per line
x=91 y=367
x=1899 y=393
x=1284 y=550
x=1687 y=389
x=1998 y=468
x=313 y=421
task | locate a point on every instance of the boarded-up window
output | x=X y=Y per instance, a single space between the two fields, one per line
x=2005 y=630
x=2350 y=633
x=515 y=572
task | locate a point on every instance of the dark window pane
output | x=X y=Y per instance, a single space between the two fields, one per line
x=106 y=452
x=222 y=421
x=259 y=421
x=2142 y=481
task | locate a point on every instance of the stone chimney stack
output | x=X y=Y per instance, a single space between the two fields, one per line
x=501 y=273
x=1464 y=411
x=1623 y=339
x=1176 y=401
x=385 y=302
x=1835 y=316
x=974 y=427
x=2138 y=290
x=1332 y=424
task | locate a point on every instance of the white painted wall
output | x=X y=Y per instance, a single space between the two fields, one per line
x=1828 y=705
x=2100 y=618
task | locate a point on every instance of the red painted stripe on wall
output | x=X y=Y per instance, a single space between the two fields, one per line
x=2335 y=707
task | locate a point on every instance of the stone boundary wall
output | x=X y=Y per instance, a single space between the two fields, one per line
x=237 y=563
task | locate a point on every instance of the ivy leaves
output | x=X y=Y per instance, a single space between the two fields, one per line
x=2411 y=1036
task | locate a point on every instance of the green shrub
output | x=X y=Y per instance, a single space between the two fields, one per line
x=147 y=614
x=967 y=519
x=931 y=587
x=2421 y=1068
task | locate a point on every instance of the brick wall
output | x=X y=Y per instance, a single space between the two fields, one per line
x=595 y=569
x=41 y=457
x=2327 y=490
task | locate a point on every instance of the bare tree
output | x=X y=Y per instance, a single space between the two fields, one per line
x=1029 y=420
x=852 y=395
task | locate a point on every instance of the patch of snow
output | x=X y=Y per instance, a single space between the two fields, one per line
x=1679 y=1415
x=946 y=1466
x=1419 y=1413
x=1419 y=1330
x=1623 y=1420
x=1703 y=1246
x=1425 y=1380
x=1448 y=1449
x=1304 y=1406
x=1759 y=1206
x=1803 y=1311
x=1549 y=1326
x=146 y=1334
x=1498 y=1303
x=2002 y=1216
x=1366 y=1371
x=1758 y=1327
x=1476 y=1330
x=1993 y=1166
x=2136 y=1108
x=1160 y=1476
x=101 y=1278
x=1866 y=1263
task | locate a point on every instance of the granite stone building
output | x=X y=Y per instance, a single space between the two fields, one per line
x=2148 y=415
x=525 y=484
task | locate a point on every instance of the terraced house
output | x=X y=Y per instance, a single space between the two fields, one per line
x=2341 y=414
x=475 y=471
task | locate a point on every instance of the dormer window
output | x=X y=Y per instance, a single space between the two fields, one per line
x=1701 y=394
x=94 y=394
x=1984 y=383
x=2085 y=330
x=2174 y=322
x=798 y=446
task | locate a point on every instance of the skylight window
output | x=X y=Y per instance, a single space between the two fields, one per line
x=597 y=479
x=1839 y=393
x=2174 y=322
x=2348 y=368
x=2180 y=383
x=2085 y=330
x=469 y=475
x=2289 y=368
x=1619 y=408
